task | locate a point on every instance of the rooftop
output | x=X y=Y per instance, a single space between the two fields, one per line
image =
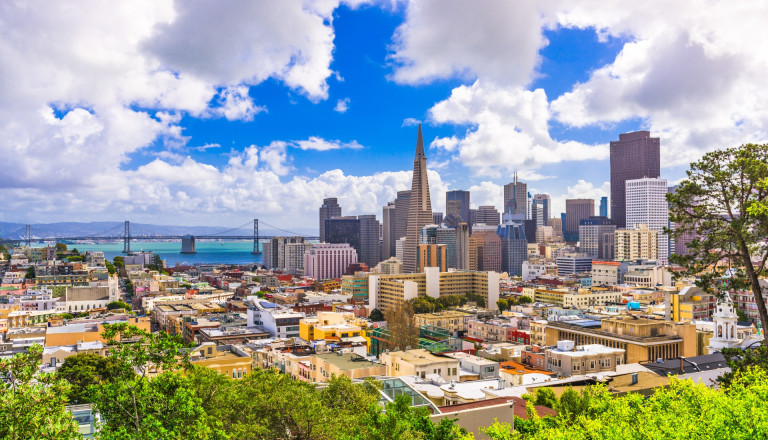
x=347 y=361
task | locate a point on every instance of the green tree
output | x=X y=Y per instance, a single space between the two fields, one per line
x=425 y=304
x=118 y=305
x=448 y=301
x=110 y=267
x=32 y=404
x=739 y=361
x=376 y=315
x=477 y=299
x=503 y=304
x=4 y=252
x=720 y=204
x=544 y=396
x=61 y=248
x=401 y=323
x=73 y=258
x=66 y=316
x=130 y=290
x=524 y=300
x=400 y=421
x=83 y=370
x=30 y=273
x=742 y=317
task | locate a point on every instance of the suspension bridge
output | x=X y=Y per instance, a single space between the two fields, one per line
x=187 y=240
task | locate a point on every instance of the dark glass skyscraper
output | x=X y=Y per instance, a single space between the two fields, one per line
x=603 y=206
x=362 y=233
x=462 y=207
x=633 y=156
x=330 y=209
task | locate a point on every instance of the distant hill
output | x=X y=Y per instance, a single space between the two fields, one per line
x=95 y=229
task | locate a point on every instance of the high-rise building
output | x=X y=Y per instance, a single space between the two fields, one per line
x=437 y=218
x=325 y=261
x=485 y=249
x=603 y=206
x=592 y=234
x=557 y=228
x=420 y=208
x=370 y=245
x=294 y=257
x=428 y=234
x=402 y=204
x=431 y=255
x=462 y=208
x=640 y=243
x=273 y=253
x=516 y=197
x=487 y=215
x=514 y=247
x=447 y=237
x=647 y=204
x=542 y=202
x=576 y=210
x=330 y=209
x=462 y=246
x=389 y=234
x=633 y=156
x=362 y=233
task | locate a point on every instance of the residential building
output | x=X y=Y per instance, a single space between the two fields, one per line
x=566 y=359
x=608 y=273
x=646 y=204
x=279 y=321
x=689 y=304
x=226 y=359
x=322 y=366
x=420 y=362
x=274 y=252
x=454 y=321
x=325 y=261
x=356 y=286
x=497 y=330
x=474 y=367
x=420 y=208
x=294 y=257
x=328 y=210
x=633 y=156
x=581 y=298
x=391 y=266
x=639 y=243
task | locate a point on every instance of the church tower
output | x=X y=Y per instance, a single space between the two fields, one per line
x=725 y=322
x=420 y=207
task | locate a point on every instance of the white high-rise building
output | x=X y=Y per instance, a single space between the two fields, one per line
x=324 y=261
x=647 y=204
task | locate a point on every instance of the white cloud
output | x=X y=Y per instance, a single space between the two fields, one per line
x=508 y=130
x=497 y=40
x=580 y=190
x=410 y=122
x=320 y=144
x=342 y=105
x=236 y=104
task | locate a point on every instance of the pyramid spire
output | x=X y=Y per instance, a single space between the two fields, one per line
x=419 y=145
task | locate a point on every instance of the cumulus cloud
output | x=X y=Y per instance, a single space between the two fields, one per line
x=342 y=105
x=320 y=144
x=580 y=190
x=234 y=103
x=508 y=130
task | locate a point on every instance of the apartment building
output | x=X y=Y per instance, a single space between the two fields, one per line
x=566 y=359
x=420 y=363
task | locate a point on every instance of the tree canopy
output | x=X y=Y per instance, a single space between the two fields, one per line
x=401 y=323
x=722 y=205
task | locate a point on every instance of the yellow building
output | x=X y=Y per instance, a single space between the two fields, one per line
x=226 y=359
x=636 y=244
x=420 y=362
x=71 y=334
x=549 y=296
x=451 y=320
x=332 y=326
x=691 y=303
x=642 y=339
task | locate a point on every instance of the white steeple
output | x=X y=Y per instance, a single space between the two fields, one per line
x=725 y=323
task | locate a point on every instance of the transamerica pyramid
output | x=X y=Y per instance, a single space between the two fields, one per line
x=420 y=208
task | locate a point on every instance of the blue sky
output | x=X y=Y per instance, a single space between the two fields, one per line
x=210 y=114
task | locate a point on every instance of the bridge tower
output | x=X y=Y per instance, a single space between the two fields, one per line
x=28 y=236
x=127 y=238
x=256 y=248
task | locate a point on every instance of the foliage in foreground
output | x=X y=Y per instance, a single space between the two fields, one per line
x=683 y=411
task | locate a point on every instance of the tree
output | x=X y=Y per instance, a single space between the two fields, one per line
x=739 y=361
x=448 y=301
x=503 y=304
x=524 y=300
x=477 y=299
x=83 y=370
x=4 y=252
x=30 y=273
x=66 y=316
x=544 y=396
x=721 y=203
x=118 y=305
x=110 y=267
x=32 y=404
x=376 y=315
x=401 y=323
x=61 y=248
x=73 y=258
x=742 y=317
x=425 y=304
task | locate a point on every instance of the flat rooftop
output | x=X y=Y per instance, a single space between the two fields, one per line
x=348 y=361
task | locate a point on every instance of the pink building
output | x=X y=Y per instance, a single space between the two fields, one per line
x=325 y=261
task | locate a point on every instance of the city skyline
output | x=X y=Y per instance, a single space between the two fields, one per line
x=114 y=115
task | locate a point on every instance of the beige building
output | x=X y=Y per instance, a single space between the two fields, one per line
x=420 y=363
x=642 y=339
x=451 y=320
x=323 y=366
x=567 y=360
x=386 y=291
x=639 y=243
x=226 y=359
x=606 y=273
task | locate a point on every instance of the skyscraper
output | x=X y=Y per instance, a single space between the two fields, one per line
x=647 y=204
x=330 y=209
x=462 y=246
x=462 y=208
x=487 y=215
x=575 y=211
x=592 y=236
x=603 y=206
x=402 y=204
x=542 y=202
x=516 y=197
x=514 y=248
x=420 y=208
x=389 y=234
x=633 y=156
x=362 y=233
